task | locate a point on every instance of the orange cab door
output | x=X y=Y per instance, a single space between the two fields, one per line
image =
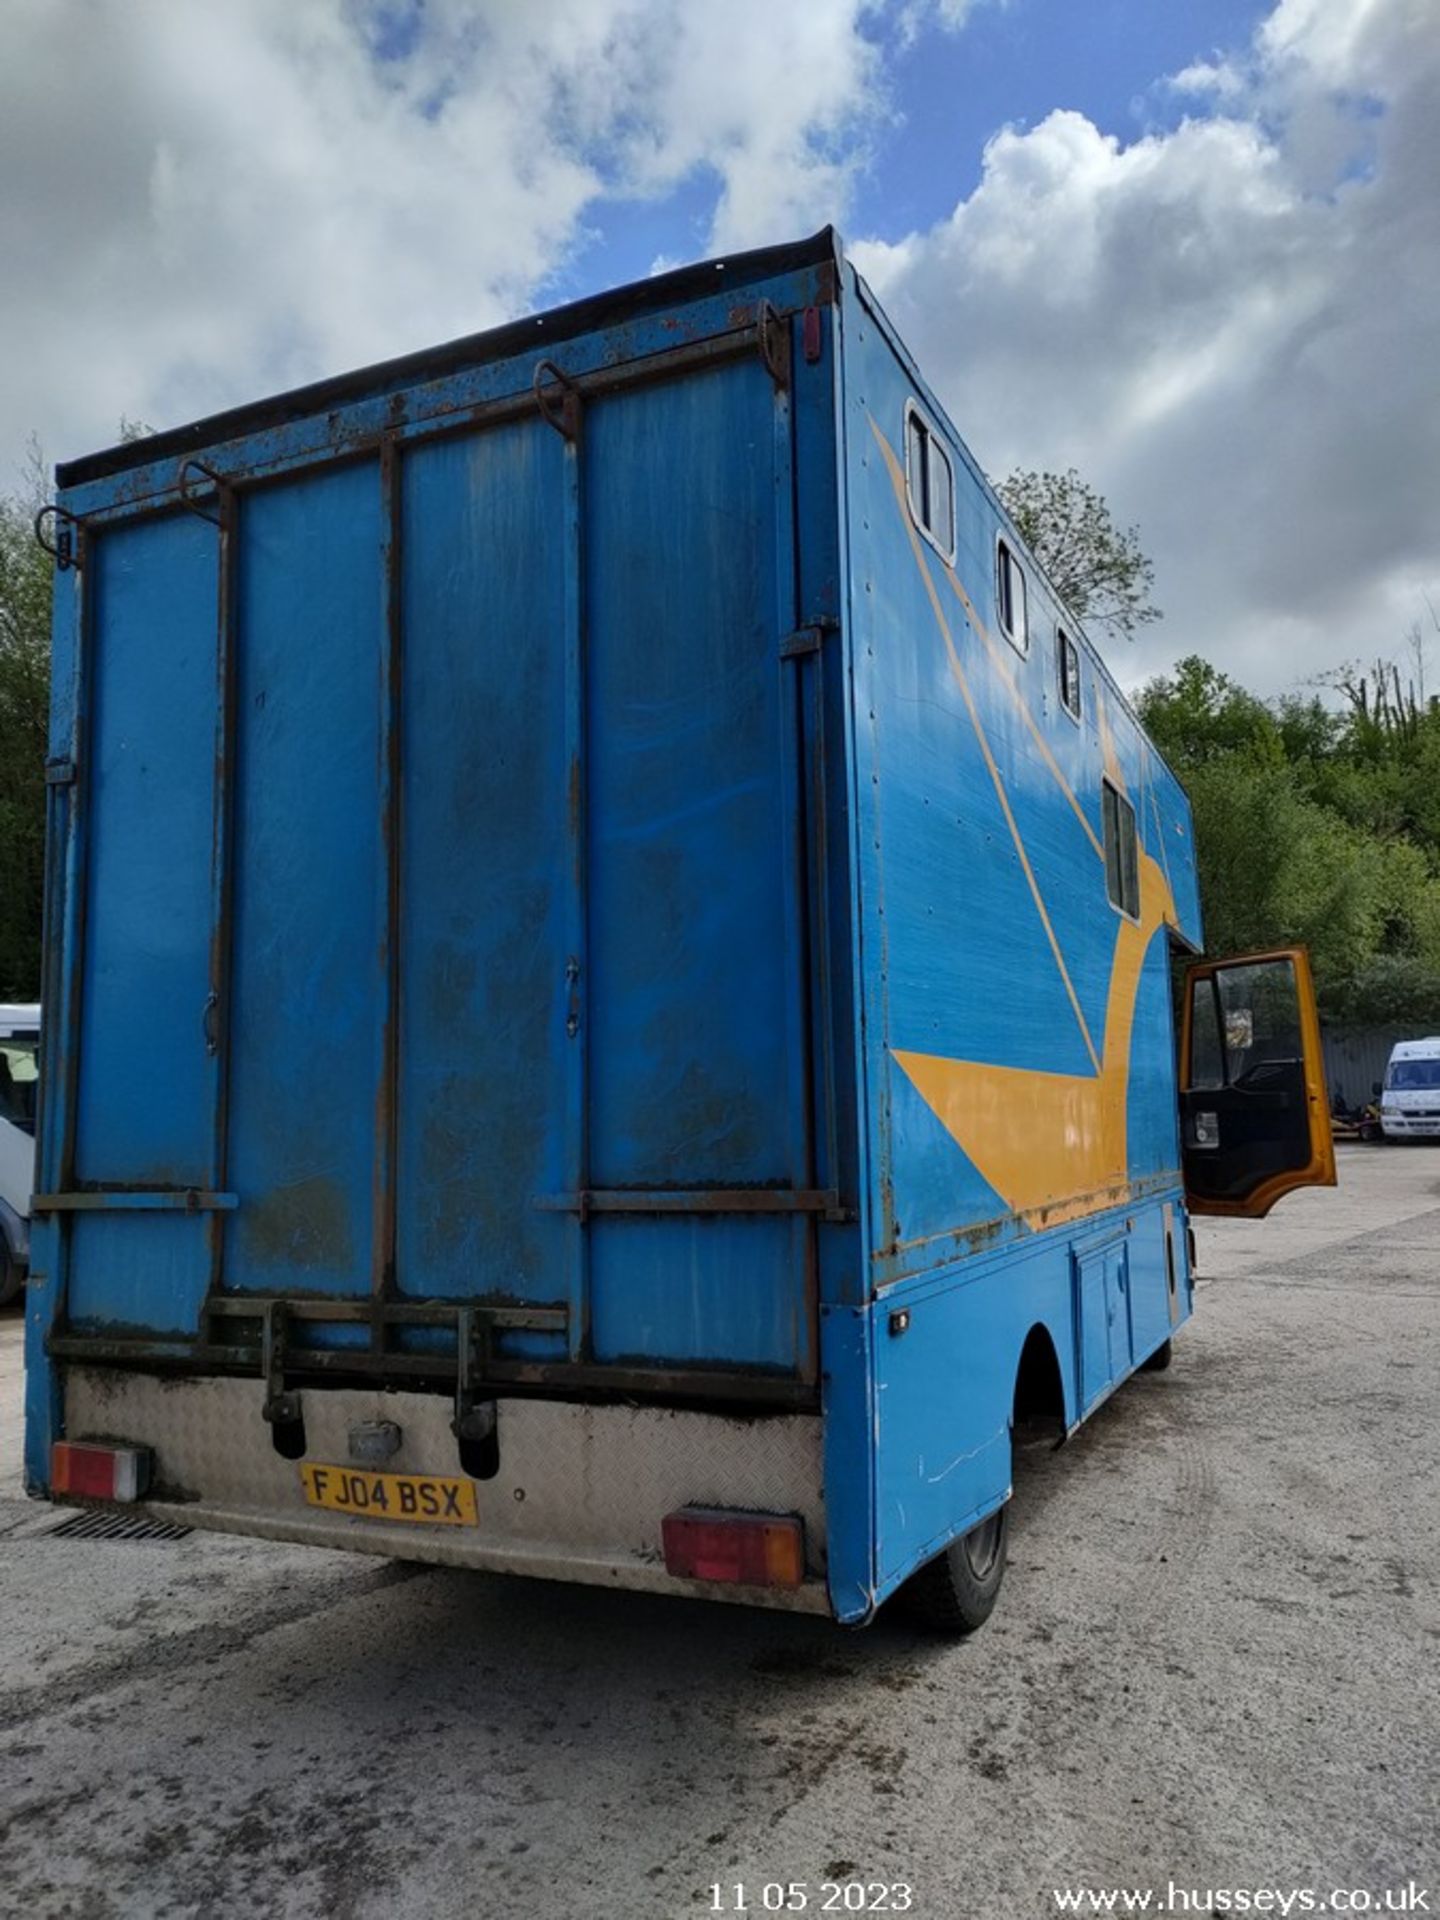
x=1254 y=1120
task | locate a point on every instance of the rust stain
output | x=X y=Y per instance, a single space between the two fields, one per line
x=304 y=1224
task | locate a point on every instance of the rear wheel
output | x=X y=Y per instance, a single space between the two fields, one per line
x=956 y=1591
x=12 y=1276
x=1160 y=1359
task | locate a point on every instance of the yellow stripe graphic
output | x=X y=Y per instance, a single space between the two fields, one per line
x=898 y=481
x=1002 y=668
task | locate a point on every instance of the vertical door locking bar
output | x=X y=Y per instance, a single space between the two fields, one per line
x=65 y=550
x=563 y=414
x=185 y=488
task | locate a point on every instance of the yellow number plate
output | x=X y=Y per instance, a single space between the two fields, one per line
x=426 y=1497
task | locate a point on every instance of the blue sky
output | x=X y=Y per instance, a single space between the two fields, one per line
x=947 y=93
x=1216 y=299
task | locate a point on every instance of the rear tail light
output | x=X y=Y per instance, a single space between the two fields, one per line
x=747 y=1549
x=88 y=1471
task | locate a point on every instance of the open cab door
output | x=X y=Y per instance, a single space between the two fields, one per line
x=1254 y=1119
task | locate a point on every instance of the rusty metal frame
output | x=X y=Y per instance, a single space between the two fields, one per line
x=272 y=1351
x=732 y=1200
x=446 y=420
x=222 y=857
x=385 y=1226
x=565 y=418
x=504 y=1378
x=576 y=1125
x=187 y=496
x=68 y=548
x=772 y=337
x=136 y=1200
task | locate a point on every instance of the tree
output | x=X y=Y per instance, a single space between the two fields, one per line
x=25 y=592
x=1098 y=568
x=1315 y=825
x=1200 y=714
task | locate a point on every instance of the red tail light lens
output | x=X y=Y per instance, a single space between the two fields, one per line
x=88 y=1471
x=745 y=1549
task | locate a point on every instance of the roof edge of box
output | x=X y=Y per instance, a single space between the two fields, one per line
x=632 y=301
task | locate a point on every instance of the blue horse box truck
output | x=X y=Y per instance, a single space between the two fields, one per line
x=608 y=1003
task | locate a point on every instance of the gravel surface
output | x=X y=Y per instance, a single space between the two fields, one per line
x=1216 y=1663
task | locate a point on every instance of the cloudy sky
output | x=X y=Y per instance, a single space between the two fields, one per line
x=1191 y=247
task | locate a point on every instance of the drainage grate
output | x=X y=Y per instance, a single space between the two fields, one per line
x=105 y=1525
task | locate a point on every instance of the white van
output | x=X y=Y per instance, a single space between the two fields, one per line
x=19 y=1079
x=1410 y=1097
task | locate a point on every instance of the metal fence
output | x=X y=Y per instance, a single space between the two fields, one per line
x=1355 y=1058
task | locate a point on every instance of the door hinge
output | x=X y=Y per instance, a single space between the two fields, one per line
x=772 y=334
x=809 y=638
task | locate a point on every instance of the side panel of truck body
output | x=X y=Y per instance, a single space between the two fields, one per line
x=1017 y=1054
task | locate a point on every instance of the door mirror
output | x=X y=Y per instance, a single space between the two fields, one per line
x=1375 y=1088
x=1254 y=1122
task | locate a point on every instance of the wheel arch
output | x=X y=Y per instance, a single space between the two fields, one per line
x=1040 y=1401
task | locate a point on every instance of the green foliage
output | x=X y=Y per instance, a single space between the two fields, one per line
x=25 y=589
x=1314 y=826
x=1097 y=567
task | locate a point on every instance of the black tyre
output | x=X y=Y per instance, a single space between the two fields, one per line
x=956 y=1591
x=12 y=1277
x=1159 y=1359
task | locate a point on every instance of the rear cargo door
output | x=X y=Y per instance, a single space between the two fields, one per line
x=601 y=1107
x=442 y=873
x=697 y=1095
x=128 y=1148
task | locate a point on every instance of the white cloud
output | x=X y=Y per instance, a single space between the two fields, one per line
x=201 y=203
x=1220 y=78
x=1229 y=328
x=951 y=15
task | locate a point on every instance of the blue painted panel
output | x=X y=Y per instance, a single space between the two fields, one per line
x=1117 y=1290
x=686 y=877
x=692 y=982
x=1149 y=1283
x=147 y=933
x=305 y=1030
x=848 y=1404
x=1152 y=1109
x=484 y=1057
x=944 y=1392
x=1017 y=1024
x=1092 y=1305
x=46 y=1288
x=706 y=1289
x=138 y=1269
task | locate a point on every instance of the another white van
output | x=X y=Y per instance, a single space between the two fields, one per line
x=19 y=1082
x=1410 y=1096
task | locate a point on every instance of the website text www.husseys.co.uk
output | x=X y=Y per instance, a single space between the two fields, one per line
x=1284 y=1901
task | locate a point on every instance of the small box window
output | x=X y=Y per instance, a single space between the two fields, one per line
x=1010 y=597
x=1122 y=853
x=1067 y=665
x=930 y=483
